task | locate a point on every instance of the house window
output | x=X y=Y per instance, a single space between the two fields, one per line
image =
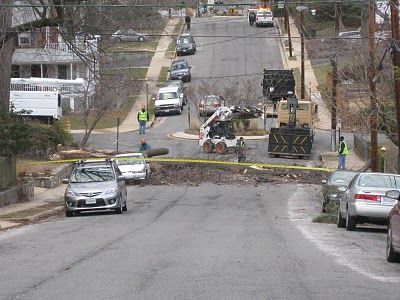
x=62 y=71
x=15 y=73
x=25 y=39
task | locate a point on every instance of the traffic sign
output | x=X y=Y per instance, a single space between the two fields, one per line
x=281 y=4
x=339 y=123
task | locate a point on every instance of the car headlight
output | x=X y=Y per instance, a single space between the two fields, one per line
x=190 y=47
x=177 y=105
x=112 y=190
x=333 y=195
x=71 y=193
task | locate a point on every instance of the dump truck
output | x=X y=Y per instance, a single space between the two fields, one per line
x=294 y=135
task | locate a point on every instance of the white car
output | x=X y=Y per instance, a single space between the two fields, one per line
x=133 y=166
x=264 y=18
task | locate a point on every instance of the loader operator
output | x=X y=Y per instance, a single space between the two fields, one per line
x=240 y=149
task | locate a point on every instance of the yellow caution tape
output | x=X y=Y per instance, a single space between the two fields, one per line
x=201 y=161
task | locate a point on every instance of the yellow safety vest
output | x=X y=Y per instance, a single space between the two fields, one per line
x=142 y=116
x=345 y=150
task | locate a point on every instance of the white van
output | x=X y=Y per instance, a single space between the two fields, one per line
x=169 y=99
x=264 y=18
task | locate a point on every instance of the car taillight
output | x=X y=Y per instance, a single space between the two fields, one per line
x=364 y=197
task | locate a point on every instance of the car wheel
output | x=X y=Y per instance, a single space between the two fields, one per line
x=125 y=207
x=220 y=147
x=156 y=115
x=340 y=222
x=189 y=79
x=141 y=39
x=208 y=146
x=68 y=214
x=351 y=222
x=120 y=208
x=391 y=256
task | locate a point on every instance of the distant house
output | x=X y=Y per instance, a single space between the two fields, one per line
x=43 y=53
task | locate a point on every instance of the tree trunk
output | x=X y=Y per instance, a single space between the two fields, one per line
x=364 y=19
x=6 y=53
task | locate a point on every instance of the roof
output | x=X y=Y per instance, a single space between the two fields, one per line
x=28 y=56
x=170 y=88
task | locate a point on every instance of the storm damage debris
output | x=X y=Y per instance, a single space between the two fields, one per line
x=195 y=174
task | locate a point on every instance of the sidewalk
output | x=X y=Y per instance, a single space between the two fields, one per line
x=310 y=81
x=46 y=202
x=157 y=62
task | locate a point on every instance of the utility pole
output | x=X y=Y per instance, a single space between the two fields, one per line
x=302 y=52
x=288 y=30
x=334 y=63
x=372 y=86
x=394 y=16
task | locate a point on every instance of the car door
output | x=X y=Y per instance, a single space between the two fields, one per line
x=395 y=216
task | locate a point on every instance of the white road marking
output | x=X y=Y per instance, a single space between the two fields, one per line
x=362 y=252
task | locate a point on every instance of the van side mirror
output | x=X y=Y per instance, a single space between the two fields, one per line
x=65 y=180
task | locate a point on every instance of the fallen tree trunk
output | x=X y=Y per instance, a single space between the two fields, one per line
x=155 y=152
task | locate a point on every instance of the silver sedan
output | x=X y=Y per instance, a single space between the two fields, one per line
x=365 y=200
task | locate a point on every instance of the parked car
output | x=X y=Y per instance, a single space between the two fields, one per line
x=393 y=232
x=330 y=189
x=133 y=166
x=95 y=185
x=365 y=200
x=209 y=104
x=180 y=69
x=185 y=44
x=264 y=18
x=130 y=35
x=169 y=99
x=179 y=84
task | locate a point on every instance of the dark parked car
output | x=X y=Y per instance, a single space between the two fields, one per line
x=185 y=44
x=365 y=200
x=393 y=233
x=330 y=189
x=180 y=70
x=129 y=35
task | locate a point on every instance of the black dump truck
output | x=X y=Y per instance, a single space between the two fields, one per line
x=277 y=83
x=294 y=138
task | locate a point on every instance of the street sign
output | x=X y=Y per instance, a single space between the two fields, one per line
x=281 y=4
x=339 y=123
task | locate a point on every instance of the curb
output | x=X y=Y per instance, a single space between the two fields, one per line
x=41 y=215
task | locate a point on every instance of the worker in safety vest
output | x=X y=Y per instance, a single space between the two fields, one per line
x=142 y=117
x=240 y=149
x=343 y=151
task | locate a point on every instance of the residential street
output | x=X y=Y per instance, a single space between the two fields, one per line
x=182 y=242
x=240 y=233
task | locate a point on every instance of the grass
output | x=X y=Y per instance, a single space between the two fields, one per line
x=163 y=76
x=109 y=119
x=297 y=77
x=175 y=33
x=321 y=73
x=137 y=73
x=135 y=46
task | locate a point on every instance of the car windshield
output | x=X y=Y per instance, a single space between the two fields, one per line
x=165 y=96
x=178 y=67
x=92 y=174
x=342 y=178
x=182 y=41
x=132 y=160
x=381 y=181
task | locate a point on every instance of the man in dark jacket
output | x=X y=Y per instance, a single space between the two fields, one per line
x=252 y=17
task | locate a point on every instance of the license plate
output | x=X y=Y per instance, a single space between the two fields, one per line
x=167 y=110
x=91 y=201
x=388 y=201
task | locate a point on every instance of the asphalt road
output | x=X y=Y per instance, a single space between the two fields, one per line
x=196 y=242
x=227 y=46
